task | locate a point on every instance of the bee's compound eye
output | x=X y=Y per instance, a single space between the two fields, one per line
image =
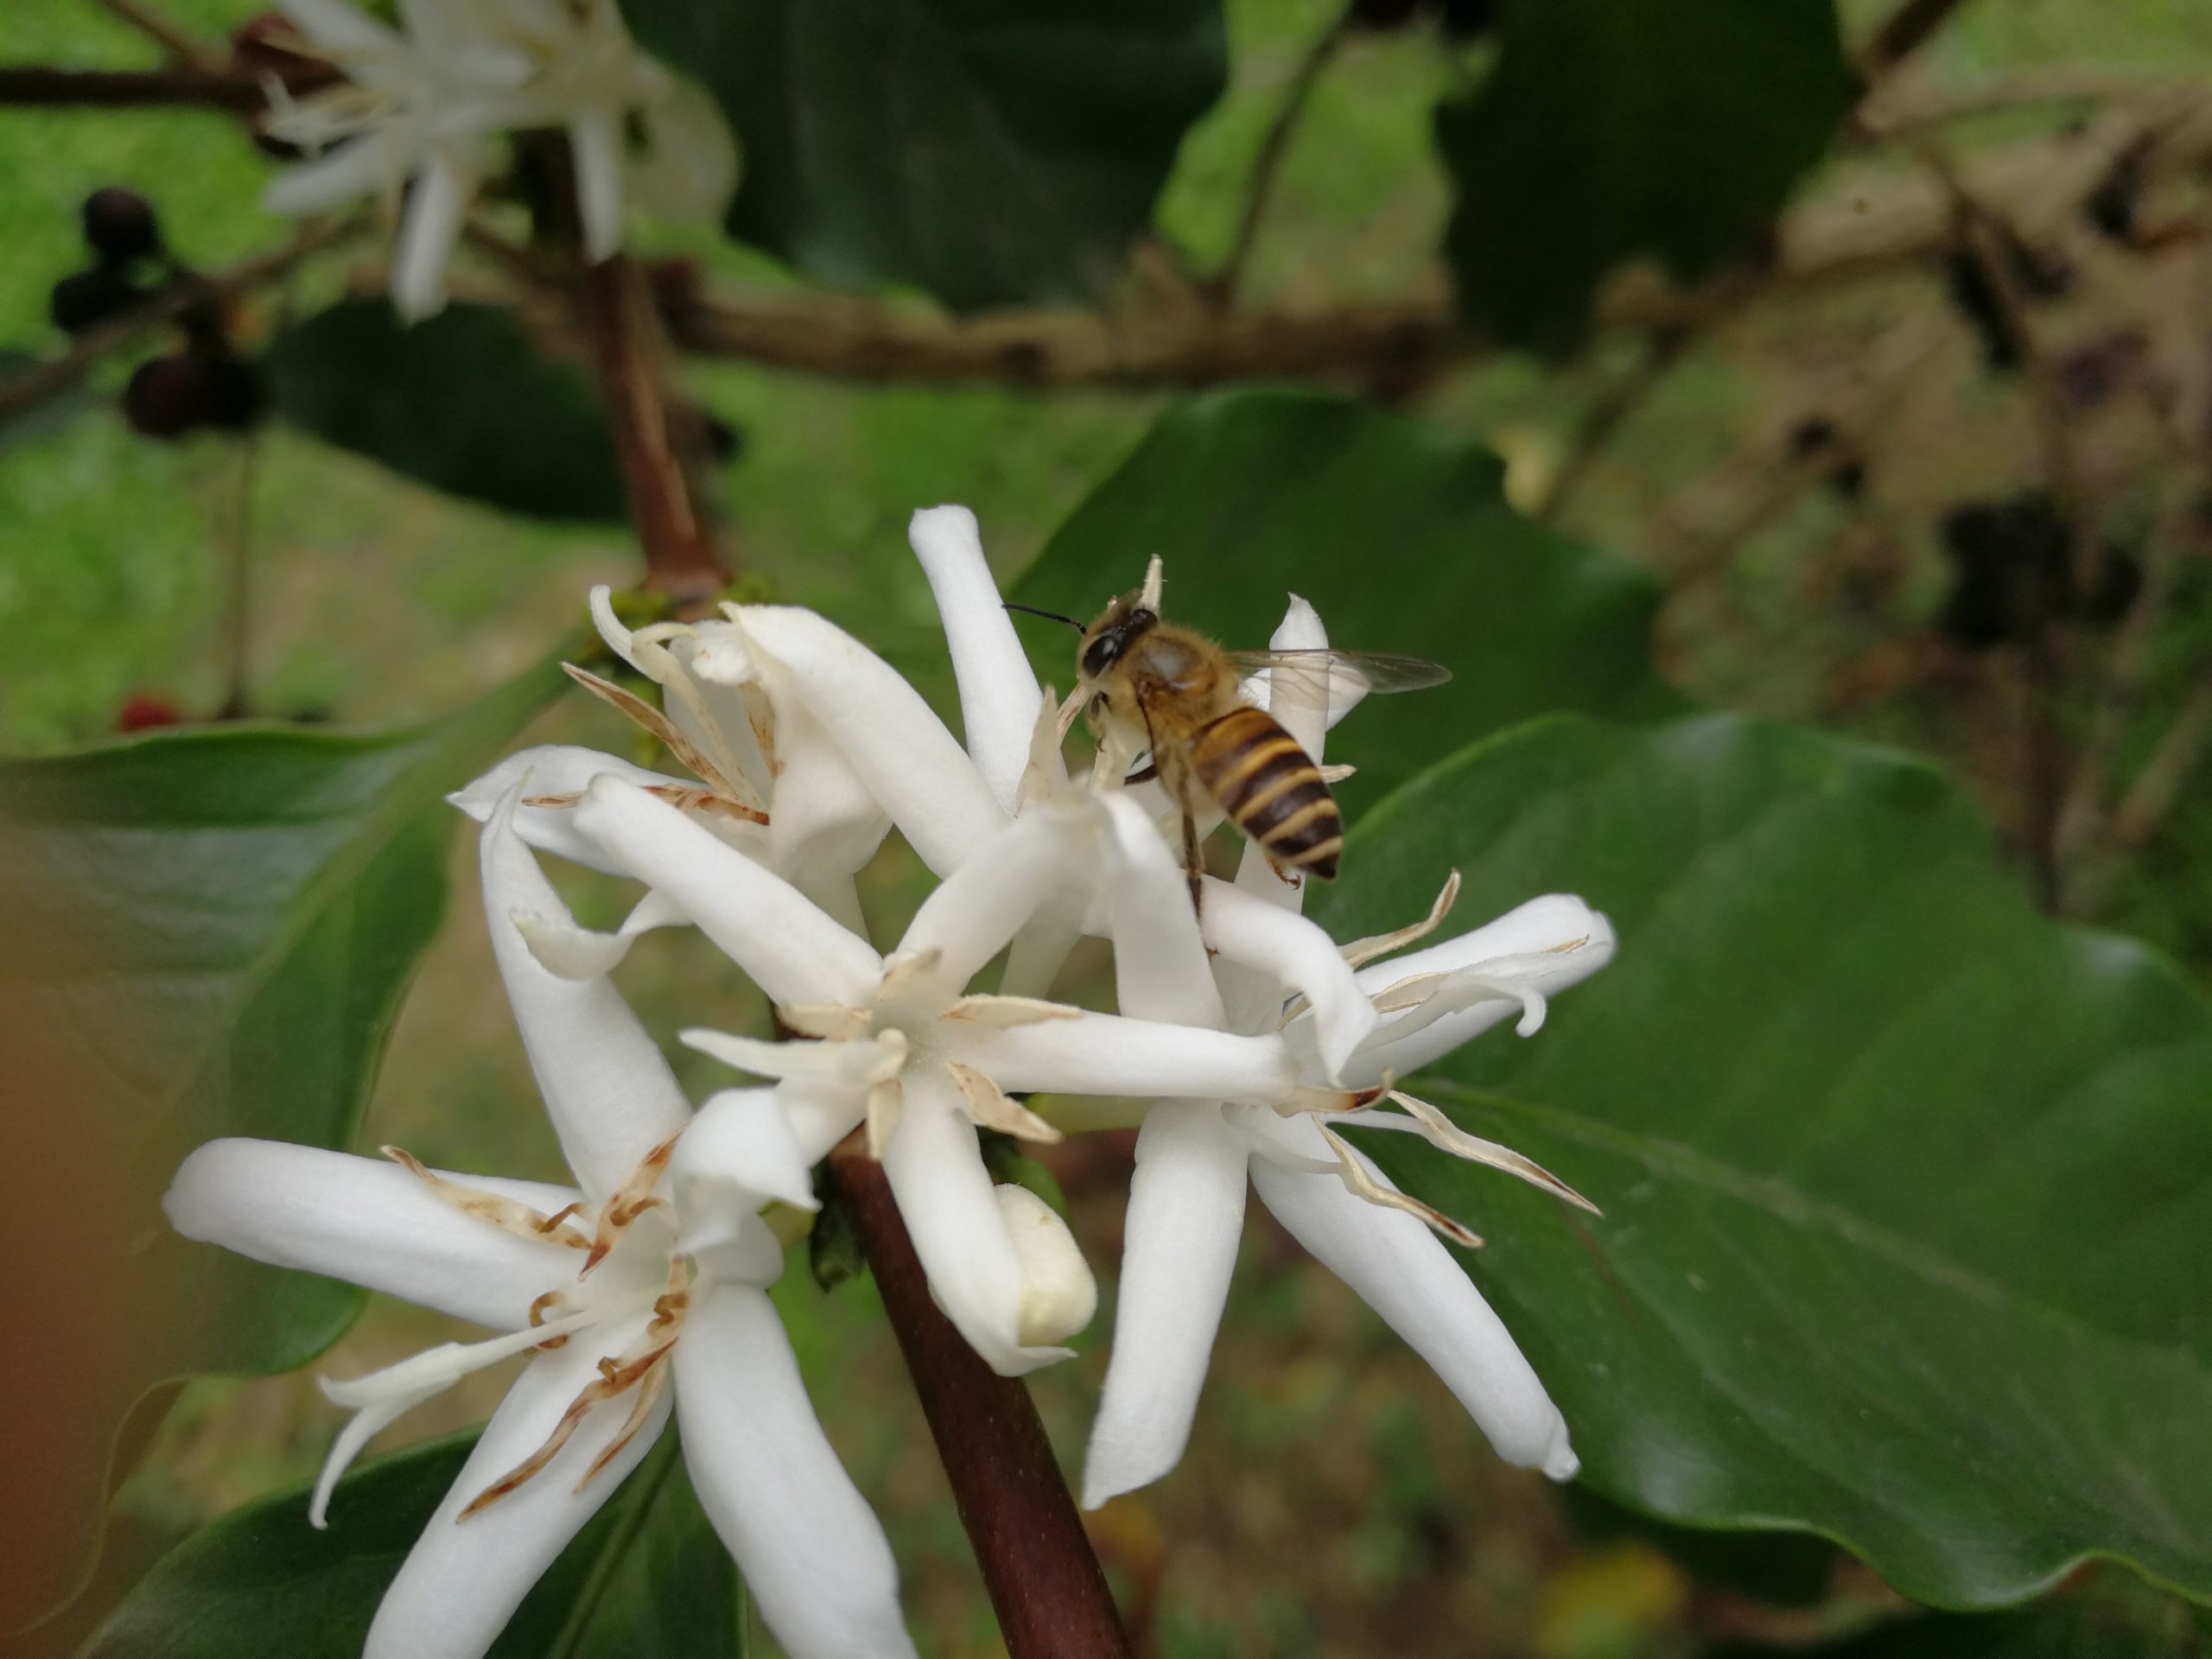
x=1099 y=655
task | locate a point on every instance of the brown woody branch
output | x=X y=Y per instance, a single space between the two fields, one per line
x=2035 y=186
x=630 y=351
x=240 y=90
x=1043 y=1578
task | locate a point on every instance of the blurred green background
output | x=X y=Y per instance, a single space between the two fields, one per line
x=1334 y=1502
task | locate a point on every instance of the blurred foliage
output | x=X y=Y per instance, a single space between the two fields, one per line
x=1858 y=1182
x=465 y=402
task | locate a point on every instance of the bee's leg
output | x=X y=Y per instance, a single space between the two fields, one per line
x=1194 y=868
x=1144 y=774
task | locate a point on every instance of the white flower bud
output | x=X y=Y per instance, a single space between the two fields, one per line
x=1058 y=1295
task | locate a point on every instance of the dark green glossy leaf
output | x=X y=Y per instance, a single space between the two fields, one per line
x=1906 y=1187
x=985 y=151
x=207 y=932
x=466 y=402
x=1608 y=128
x=646 y=1576
x=1399 y=535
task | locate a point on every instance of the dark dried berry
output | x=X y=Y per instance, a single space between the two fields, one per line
x=142 y=711
x=1849 y=479
x=169 y=396
x=87 y=298
x=1970 y=292
x=1814 y=433
x=2010 y=559
x=725 y=442
x=2111 y=206
x=120 y=224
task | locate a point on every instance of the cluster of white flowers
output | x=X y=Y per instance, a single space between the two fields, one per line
x=419 y=105
x=1251 y=1034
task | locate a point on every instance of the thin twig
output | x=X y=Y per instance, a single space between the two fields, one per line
x=1902 y=34
x=2082 y=819
x=41 y=381
x=1661 y=351
x=1045 y=1581
x=2159 y=785
x=171 y=38
x=1266 y=166
x=1868 y=233
x=236 y=538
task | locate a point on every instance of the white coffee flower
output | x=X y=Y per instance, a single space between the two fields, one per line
x=420 y=102
x=640 y=1277
x=1194 y=1155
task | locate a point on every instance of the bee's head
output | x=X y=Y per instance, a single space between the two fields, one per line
x=1118 y=628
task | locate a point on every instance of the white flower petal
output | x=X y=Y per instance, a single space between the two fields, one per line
x=1546 y=928
x=1409 y=1276
x=1298 y=700
x=913 y=767
x=781 y=938
x=1186 y=1212
x=975 y=911
x=428 y=231
x=738 y=1154
x=463 y=1579
x=608 y=1091
x=945 y=1197
x=1106 y=1054
x=555 y=771
x=369 y=1222
x=813 y=1555
x=1284 y=946
x=999 y=692
x=595 y=139
x=689 y=166
x=360 y=167
x=824 y=824
x=1160 y=969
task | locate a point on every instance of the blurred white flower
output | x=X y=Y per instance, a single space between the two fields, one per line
x=641 y=1276
x=421 y=102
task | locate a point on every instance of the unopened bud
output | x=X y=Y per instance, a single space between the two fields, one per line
x=1058 y=1295
x=87 y=298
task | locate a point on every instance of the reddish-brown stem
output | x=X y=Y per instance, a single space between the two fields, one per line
x=631 y=353
x=1045 y=1581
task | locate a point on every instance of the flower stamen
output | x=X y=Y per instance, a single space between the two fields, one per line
x=628 y=1202
x=510 y=1215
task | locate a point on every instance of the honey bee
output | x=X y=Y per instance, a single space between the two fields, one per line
x=1148 y=685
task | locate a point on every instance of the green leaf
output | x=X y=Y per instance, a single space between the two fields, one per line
x=646 y=1576
x=1906 y=1187
x=1608 y=128
x=1399 y=535
x=984 y=151
x=466 y=402
x=207 y=932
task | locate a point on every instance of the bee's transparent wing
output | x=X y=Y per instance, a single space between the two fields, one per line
x=1351 y=673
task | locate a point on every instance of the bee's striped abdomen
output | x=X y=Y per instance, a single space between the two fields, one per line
x=1270 y=788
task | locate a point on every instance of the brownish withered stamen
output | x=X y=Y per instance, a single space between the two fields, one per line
x=643 y=1368
x=509 y=1215
x=539 y=1310
x=629 y=1201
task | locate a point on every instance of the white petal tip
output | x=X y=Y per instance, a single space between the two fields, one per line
x=1561 y=1464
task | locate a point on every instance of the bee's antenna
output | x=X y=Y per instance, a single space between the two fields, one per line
x=1050 y=616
